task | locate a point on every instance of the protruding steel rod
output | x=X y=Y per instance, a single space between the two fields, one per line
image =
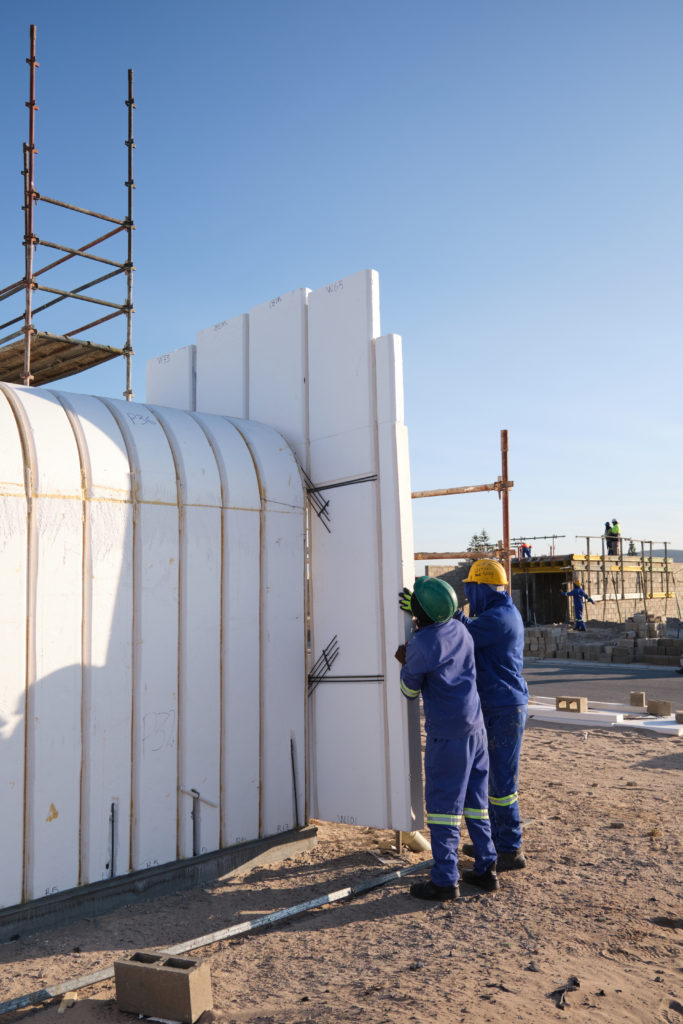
x=29 y=200
x=130 y=185
x=506 y=507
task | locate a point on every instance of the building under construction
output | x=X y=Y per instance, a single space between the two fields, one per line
x=619 y=585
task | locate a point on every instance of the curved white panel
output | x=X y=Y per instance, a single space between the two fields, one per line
x=13 y=532
x=107 y=639
x=53 y=753
x=159 y=564
x=155 y=633
x=199 y=645
x=283 y=668
x=240 y=637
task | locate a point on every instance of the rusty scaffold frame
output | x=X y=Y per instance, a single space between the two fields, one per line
x=502 y=485
x=41 y=357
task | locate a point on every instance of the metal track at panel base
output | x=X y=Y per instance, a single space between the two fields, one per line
x=102 y=897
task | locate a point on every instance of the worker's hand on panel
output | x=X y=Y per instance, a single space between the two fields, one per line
x=404 y=599
x=400 y=654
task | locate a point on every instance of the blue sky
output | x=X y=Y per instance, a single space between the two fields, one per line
x=512 y=168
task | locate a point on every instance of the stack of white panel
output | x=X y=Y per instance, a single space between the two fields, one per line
x=314 y=366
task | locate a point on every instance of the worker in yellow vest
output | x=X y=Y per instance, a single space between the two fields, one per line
x=615 y=534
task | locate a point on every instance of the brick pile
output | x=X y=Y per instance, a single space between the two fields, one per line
x=643 y=638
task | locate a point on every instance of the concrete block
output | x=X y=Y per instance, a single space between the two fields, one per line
x=679 y=716
x=638 y=699
x=175 y=988
x=661 y=708
x=659 y=659
x=579 y=704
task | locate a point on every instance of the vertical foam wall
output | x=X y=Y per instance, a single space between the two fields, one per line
x=315 y=366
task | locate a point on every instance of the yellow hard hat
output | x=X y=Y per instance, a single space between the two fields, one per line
x=486 y=570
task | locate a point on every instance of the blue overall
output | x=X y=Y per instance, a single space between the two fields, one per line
x=498 y=633
x=440 y=665
x=578 y=594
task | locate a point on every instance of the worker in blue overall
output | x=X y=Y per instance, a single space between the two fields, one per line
x=438 y=662
x=497 y=629
x=579 y=595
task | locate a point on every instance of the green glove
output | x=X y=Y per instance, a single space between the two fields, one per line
x=404 y=599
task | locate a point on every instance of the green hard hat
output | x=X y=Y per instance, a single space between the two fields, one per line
x=436 y=598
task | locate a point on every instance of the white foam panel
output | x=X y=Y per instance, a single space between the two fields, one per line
x=240 y=654
x=170 y=379
x=277 y=367
x=155 y=632
x=283 y=666
x=13 y=568
x=222 y=367
x=107 y=640
x=343 y=318
x=54 y=649
x=200 y=629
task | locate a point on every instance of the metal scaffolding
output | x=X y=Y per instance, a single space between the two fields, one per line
x=38 y=356
x=503 y=486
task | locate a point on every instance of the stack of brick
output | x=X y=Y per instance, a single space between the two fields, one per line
x=663 y=650
x=643 y=638
x=642 y=625
x=546 y=642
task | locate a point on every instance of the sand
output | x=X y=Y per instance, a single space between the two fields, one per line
x=601 y=901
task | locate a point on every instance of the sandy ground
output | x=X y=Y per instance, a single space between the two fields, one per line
x=601 y=901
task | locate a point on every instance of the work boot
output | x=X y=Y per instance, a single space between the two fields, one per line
x=509 y=860
x=488 y=881
x=429 y=891
x=512 y=860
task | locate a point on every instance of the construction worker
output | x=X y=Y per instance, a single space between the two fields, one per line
x=498 y=633
x=438 y=662
x=579 y=595
x=608 y=537
x=615 y=533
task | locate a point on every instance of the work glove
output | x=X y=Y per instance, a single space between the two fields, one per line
x=404 y=599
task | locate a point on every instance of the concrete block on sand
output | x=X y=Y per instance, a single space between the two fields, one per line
x=579 y=704
x=173 y=988
x=659 y=707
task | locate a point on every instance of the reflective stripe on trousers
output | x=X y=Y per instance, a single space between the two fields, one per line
x=505 y=731
x=456 y=783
